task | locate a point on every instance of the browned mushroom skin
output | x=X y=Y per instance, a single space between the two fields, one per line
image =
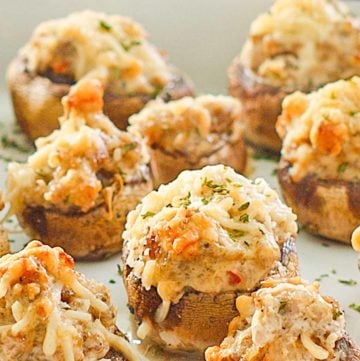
x=213 y=311
x=328 y=207
x=261 y=106
x=37 y=98
x=166 y=166
x=87 y=236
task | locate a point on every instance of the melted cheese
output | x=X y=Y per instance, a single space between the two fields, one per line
x=303 y=44
x=234 y=226
x=288 y=321
x=56 y=322
x=83 y=163
x=321 y=132
x=87 y=43
x=193 y=126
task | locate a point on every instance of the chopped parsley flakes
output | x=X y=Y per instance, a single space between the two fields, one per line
x=348 y=282
x=104 y=25
x=147 y=215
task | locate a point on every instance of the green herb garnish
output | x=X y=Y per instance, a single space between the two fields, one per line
x=282 y=306
x=216 y=188
x=348 y=282
x=321 y=277
x=128 y=147
x=244 y=218
x=147 y=215
x=244 y=206
x=235 y=233
x=104 y=25
x=342 y=167
x=185 y=201
x=119 y=270
x=130 y=45
x=355 y=307
x=336 y=314
x=112 y=281
x=6 y=142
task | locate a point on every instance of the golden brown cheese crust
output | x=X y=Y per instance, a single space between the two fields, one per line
x=190 y=133
x=197 y=243
x=286 y=320
x=86 y=173
x=41 y=296
x=303 y=44
x=276 y=61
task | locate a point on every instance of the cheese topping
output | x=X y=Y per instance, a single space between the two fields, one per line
x=50 y=312
x=195 y=127
x=211 y=229
x=283 y=321
x=303 y=44
x=82 y=164
x=321 y=132
x=87 y=42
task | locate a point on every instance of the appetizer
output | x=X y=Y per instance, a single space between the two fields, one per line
x=195 y=244
x=320 y=164
x=286 y=321
x=4 y=244
x=50 y=312
x=87 y=44
x=77 y=188
x=191 y=133
x=297 y=45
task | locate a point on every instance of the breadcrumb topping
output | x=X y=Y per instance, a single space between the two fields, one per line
x=193 y=126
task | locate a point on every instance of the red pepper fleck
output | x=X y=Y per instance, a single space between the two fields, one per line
x=234 y=279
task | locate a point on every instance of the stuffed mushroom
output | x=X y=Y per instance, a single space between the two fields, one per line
x=87 y=44
x=297 y=45
x=194 y=245
x=191 y=133
x=50 y=312
x=320 y=164
x=286 y=321
x=77 y=188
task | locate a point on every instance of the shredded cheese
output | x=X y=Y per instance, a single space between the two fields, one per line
x=321 y=132
x=303 y=44
x=89 y=44
x=286 y=321
x=70 y=316
x=81 y=165
x=234 y=226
